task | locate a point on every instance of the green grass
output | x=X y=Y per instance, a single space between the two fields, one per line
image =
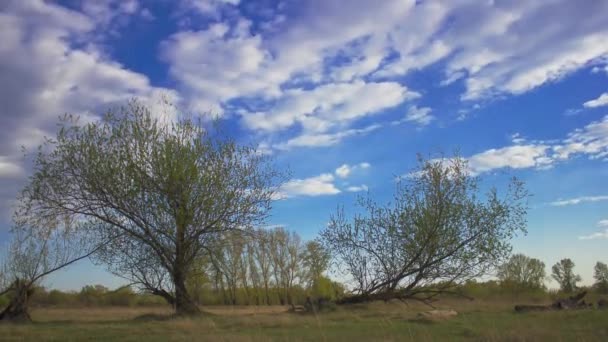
x=477 y=321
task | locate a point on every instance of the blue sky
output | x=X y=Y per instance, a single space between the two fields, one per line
x=343 y=93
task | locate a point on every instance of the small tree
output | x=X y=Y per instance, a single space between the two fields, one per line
x=522 y=272
x=167 y=187
x=563 y=273
x=39 y=247
x=437 y=233
x=601 y=277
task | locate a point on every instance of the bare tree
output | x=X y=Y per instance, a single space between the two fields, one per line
x=169 y=187
x=438 y=232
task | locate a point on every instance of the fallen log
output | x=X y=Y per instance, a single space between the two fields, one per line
x=572 y=302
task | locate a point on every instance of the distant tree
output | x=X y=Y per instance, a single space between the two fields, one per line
x=315 y=261
x=522 y=272
x=166 y=187
x=601 y=277
x=437 y=230
x=563 y=273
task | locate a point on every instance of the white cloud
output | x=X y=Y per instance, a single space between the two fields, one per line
x=317 y=72
x=515 y=157
x=597 y=235
x=329 y=105
x=591 y=140
x=597 y=69
x=578 y=200
x=324 y=139
x=345 y=170
x=9 y=169
x=313 y=186
x=420 y=115
x=357 y=188
x=49 y=65
x=517 y=139
x=602 y=100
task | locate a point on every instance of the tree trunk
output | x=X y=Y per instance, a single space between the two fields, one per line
x=17 y=309
x=184 y=305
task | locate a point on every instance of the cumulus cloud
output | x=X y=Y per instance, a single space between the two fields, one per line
x=313 y=186
x=49 y=65
x=323 y=184
x=602 y=100
x=515 y=157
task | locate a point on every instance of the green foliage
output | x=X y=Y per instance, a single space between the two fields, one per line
x=324 y=287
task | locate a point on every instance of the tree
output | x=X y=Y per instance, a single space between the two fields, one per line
x=563 y=273
x=438 y=232
x=522 y=272
x=285 y=248
x=39 y=247
x=167 y=187
x=315 y=261
x=601 y=277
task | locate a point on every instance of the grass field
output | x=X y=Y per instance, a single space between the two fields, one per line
x=477 y=321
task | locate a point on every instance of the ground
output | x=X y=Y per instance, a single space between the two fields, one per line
x=478 y=321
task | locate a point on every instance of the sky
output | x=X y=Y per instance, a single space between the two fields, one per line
x=343 y=93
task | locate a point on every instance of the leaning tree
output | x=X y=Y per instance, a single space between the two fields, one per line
x=166 y=187
x=439 y=231
x=38 y=247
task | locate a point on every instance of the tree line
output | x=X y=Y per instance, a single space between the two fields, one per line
x=175 y=208
x=526 y=273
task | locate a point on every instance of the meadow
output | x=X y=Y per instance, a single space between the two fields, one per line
x=396 y=321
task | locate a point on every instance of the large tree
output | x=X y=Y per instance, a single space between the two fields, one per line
x=438 y=231
x=168 y=187
x=563 y=273
x=523 y=272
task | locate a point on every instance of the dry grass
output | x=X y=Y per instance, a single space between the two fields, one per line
x=477 y=320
